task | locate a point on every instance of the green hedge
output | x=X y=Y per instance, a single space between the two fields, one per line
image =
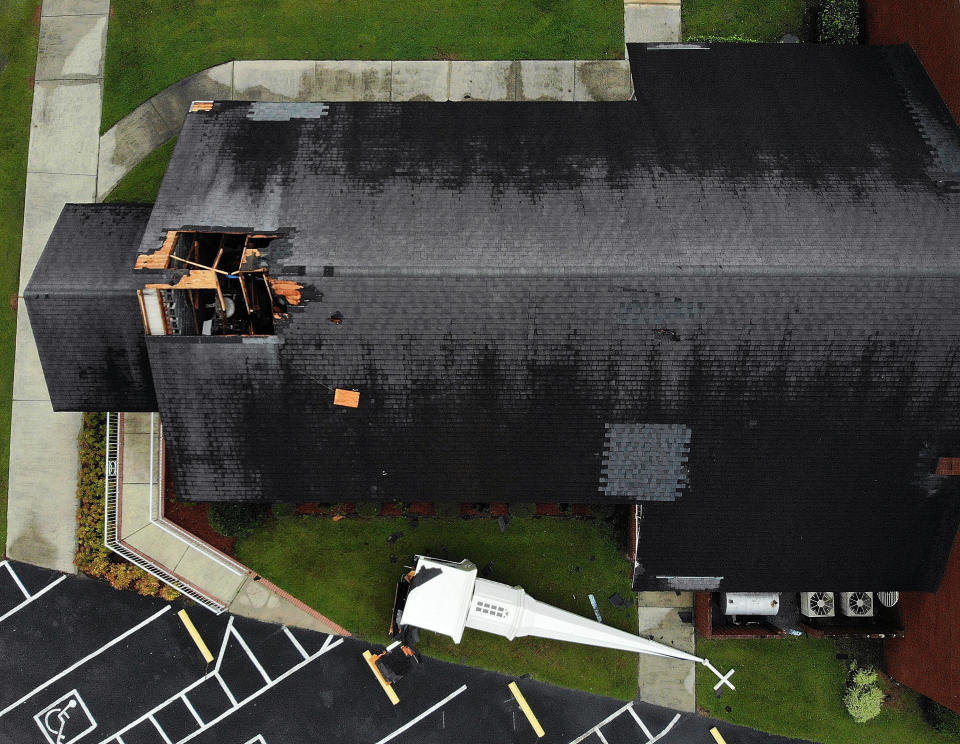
x=92 y=556
x=840 y=22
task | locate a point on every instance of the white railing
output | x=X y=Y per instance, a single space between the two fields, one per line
x=111 y=525
x=157 y=474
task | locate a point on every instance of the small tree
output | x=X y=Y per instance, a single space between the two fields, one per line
x=863 y=698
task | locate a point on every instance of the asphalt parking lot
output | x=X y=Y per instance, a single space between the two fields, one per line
x=82 y=663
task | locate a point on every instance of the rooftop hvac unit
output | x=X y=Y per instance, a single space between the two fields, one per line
x=817 y=604
x=856 y=604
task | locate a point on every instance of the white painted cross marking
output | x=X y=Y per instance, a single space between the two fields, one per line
x=423 y=715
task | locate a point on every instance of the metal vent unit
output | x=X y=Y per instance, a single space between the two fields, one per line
x=856 y=604
x=888 y=599
x=751 y=603
x=817 y=604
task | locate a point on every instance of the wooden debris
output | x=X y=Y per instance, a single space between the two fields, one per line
x=159 y=259
x=286 y=288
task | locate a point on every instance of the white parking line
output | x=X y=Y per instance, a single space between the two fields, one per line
x=84 y=660
x=13 y=575
x=193 y=711
x=31 y=598
x=639 y=722
x=666 y=730
x=423 y=715
x=216 y=674
x=295 y=642
x=253 y=658
x=159 y=728
x=596 y=728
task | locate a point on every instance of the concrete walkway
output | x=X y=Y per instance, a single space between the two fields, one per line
x=180 y=558
x=663 y=681
x=651 y=21
x=61 y=167
x=160 y=118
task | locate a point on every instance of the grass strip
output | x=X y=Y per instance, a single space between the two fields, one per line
x=348 y=571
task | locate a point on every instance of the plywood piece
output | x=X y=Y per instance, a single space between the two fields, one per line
x=159 y=259
x=196 y=279
x=527 y=710
x=346 y=398
x=388 y=690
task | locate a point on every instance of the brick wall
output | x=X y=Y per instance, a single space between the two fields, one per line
x=932 y=28
x=927 y=658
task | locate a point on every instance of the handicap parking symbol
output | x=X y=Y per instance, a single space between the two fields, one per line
x=66 y=720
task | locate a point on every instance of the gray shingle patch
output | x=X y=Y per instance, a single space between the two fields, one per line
x=270 y=111
x=647 y=462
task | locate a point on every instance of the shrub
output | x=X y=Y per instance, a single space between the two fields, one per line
x=863 y=698
x=147 y=585
x=168 y=593
x=122 y=575
x=942 y=718
x=447 y=509
x=865 y=677
x=368 y=508
x=236 y=519
x=710 y=38
x=523 y=509
x=283 y=509
x=840 y=22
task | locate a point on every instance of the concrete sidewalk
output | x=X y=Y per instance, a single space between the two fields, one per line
x=664 y=681
x=61 y=167
x=651 y=21
x=179 y=557
x=160 y=118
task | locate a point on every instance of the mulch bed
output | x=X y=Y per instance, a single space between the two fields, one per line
x=193 y=518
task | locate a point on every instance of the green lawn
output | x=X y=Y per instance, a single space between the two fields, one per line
x=18 y=56
x=154 y=43
x=143 y=182
x=757 y=20
x=344 y=569
x=794 y=686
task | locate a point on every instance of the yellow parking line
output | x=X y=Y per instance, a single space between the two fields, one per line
x=383 y=683
x=716 y=736
x=188 y=623
x=525 y=707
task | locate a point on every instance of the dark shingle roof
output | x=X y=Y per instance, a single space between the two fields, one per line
x=84 y=312
x=761 y=158
x=760 y=252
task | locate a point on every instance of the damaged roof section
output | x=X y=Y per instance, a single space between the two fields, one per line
x=82 y=304
x=213 y=284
